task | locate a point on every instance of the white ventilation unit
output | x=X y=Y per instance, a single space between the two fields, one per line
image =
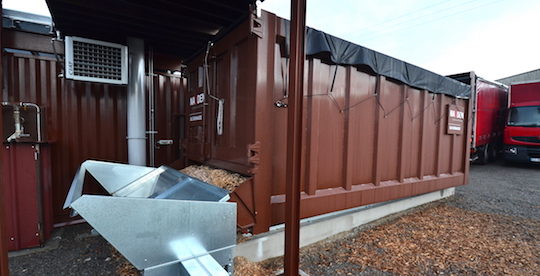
x=97 y=61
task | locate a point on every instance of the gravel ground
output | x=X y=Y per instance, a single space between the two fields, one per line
x=492 y=223
x=497 y=188
x=72 y=250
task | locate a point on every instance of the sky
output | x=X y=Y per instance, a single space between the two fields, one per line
x=494 y=38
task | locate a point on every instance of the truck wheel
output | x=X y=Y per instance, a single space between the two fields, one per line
x=492 y=151
x=483 y=155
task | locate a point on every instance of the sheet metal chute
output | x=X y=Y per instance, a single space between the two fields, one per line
x=164 y=222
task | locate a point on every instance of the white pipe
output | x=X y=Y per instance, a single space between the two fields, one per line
x=136 y=121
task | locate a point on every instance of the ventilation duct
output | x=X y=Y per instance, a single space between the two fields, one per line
x=96 y=61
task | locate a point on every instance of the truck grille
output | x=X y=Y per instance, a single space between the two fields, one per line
x=530 y=139
x=533 y=152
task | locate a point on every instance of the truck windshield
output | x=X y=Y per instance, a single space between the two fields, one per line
x=527 y=116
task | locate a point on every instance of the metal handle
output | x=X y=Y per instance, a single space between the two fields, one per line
x=165 y=142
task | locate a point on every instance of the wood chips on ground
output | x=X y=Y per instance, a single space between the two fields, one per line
x=441 y=240
x=449 y=241
x=124 y=268
x=243 y=267
x=217 y=177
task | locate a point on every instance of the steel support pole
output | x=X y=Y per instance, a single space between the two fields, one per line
x=136 y=103
x=4 y=265
x=294 y=138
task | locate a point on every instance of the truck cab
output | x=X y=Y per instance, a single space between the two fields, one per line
x=522 y=129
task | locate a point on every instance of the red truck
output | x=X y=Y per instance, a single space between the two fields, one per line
x=522 y=131
x=489 y=101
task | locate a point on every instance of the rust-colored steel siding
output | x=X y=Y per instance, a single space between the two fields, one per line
x=367 y=138
x=26 y=187
x=230 y=77
x=85 y=120
x=233 y=80
x=20 y=185
x=366 y=144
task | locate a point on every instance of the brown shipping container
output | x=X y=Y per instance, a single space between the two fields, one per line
x=367 y=137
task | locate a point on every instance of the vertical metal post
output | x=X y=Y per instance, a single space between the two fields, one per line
x=294 y=138
x=136 y=121
x=4 y=268
x=151 y=110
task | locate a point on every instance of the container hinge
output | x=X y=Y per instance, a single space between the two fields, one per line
x=255 y=26
x=253 y=155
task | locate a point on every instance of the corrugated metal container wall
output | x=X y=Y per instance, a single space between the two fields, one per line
x=85 y=120
x=367 y=138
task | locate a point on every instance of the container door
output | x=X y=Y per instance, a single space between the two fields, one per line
x=231 y=108
x=196 y=137
x=169 y=120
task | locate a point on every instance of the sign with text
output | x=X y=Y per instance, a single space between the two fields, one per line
x=456 y=119
x=196 y=100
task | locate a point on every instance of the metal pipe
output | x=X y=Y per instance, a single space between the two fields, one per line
x=19 y=129
x=151 y=110
x=136 y=121
x=294 y=138
x=38 y=117
x=17 y=123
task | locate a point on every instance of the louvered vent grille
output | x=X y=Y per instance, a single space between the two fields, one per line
x=97 y=61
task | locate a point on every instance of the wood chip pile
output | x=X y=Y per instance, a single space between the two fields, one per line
x=243 y=267
x=217 y=177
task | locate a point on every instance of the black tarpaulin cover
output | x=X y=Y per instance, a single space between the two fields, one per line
x=343 y=52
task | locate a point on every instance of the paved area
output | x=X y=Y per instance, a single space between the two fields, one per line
x=498 y=188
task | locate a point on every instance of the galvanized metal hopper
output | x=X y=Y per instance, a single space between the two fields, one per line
x=163 y=221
